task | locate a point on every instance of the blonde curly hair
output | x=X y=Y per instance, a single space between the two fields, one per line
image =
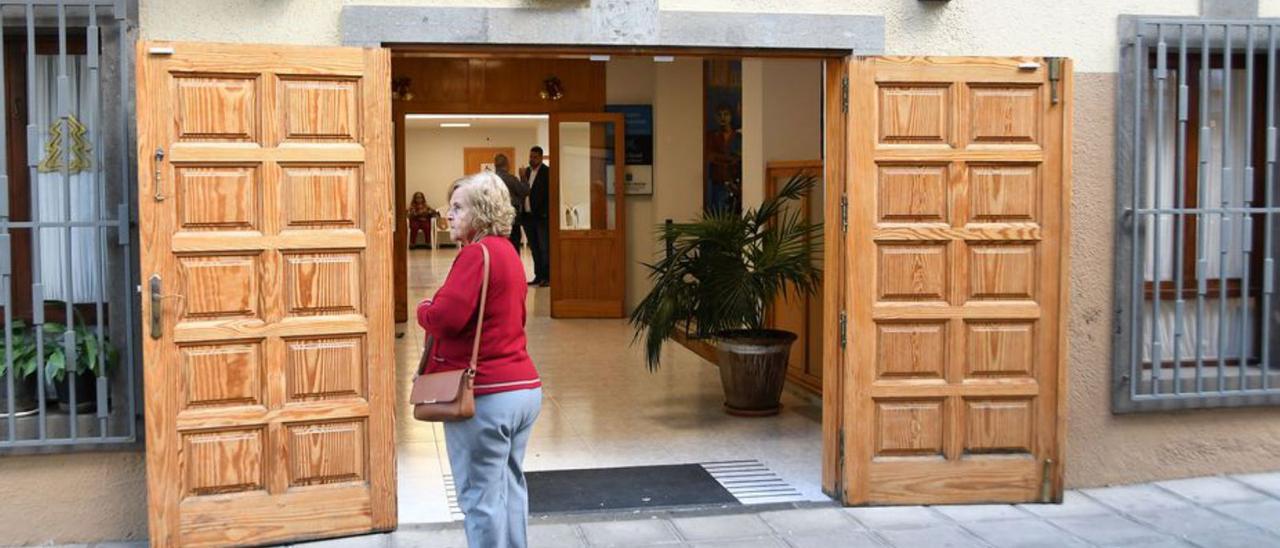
x=490 y=204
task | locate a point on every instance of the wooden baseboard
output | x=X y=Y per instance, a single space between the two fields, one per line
x=702 y=347
x=804 y=383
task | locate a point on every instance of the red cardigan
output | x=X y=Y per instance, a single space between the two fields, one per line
x=503 y=363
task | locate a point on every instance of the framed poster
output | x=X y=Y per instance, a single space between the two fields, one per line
x=639 y=149
x=722 y=135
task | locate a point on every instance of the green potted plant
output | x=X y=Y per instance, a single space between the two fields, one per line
x=86 y=366
x=722 y=272
x=22 y=351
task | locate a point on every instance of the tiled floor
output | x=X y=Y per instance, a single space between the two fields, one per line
x=602 y=407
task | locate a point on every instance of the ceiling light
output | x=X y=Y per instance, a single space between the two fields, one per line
x=663 y=58
x=476 y=116
x=455 y=124
x=599 y=57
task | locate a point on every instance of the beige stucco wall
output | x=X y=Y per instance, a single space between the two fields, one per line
x=72 y=498
x=1084 y=30
x=1103 y=448
x=312 y=22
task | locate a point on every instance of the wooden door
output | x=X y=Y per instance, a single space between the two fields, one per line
x=588 y=235
x=265 y=249
x=956 y=266
x=475 y=159
x=789 y=312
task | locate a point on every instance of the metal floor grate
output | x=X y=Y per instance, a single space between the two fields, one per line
x=751 y=482
x=451 y=494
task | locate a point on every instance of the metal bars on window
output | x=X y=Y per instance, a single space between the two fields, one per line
x=1197 y=319
x=68 y=375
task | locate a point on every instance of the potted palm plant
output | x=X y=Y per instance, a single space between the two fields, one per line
x=720 y=275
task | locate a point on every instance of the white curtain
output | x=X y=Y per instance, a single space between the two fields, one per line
x=57 y=146
x=1212 y=190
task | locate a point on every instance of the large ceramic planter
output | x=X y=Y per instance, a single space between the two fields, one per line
x=24 y=396
x=753 y=369
x=86 y=393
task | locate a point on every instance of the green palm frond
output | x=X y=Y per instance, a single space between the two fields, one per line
x=725 y=269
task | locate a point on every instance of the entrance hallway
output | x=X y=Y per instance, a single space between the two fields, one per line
x=602 y=408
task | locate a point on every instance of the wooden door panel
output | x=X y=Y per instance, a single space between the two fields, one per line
x=800 y=315
x=267 y=226
x=474 y=158
x=835 y=280
x=588 y=264
x=957 y=190
x=582 y=262
x=439 y=84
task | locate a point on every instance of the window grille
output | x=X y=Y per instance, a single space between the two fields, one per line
x=68 y=352
x=1197 y=317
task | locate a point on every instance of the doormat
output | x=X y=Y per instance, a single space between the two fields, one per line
x=624 y=488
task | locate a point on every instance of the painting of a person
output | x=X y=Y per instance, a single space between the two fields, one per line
x=723 y=155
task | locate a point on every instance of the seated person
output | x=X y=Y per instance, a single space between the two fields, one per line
x=420 y=215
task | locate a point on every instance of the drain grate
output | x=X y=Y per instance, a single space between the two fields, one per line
x=751 y=482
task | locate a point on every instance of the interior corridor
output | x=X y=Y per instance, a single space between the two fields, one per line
x=602 y=408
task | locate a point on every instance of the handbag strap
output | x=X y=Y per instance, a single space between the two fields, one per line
x=475 y=348
x=484 y=296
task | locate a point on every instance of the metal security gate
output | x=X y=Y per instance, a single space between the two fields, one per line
x=67 y=261
x=1196 y=307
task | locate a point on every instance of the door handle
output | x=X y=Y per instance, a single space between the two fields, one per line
x=159 y=175
x=157 y=305
x=157 y=313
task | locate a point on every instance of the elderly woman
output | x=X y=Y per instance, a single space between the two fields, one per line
x=486 y=452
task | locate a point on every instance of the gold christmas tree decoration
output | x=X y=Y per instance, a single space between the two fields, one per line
x=80 y=161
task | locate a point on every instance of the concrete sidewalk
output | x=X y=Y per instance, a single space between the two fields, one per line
x=1227 y=511
x=1241 y=511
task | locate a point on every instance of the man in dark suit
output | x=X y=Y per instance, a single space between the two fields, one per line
x=519 y=191
x=536 y=224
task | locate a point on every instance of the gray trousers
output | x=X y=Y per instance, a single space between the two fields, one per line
x=486 y=454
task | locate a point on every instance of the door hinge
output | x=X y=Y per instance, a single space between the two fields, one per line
x=840 y=449
x=844 y=94
x=844 y=323
x=840 y=452
x=1055 y=76
x=844 y=213
x=1046 y=481
x=840 y=465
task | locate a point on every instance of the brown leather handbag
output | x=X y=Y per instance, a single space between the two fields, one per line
x=449 y=396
